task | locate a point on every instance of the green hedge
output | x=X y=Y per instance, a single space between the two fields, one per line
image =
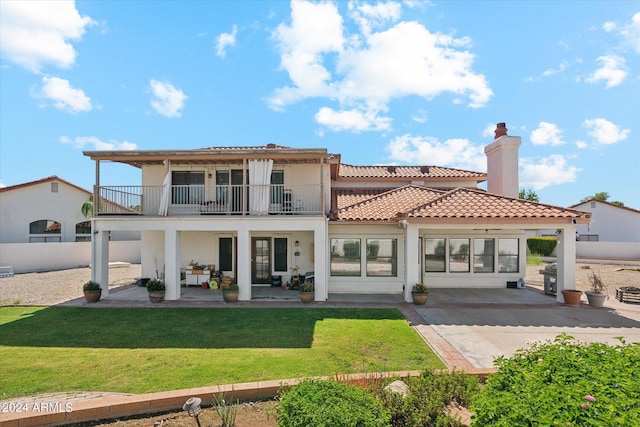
x=314 y=403
x=542 y=245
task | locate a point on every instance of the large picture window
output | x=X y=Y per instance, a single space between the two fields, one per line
x=45 y=231
x=345 y=257
x=434 y=255
x=458 y=255
x=382 y=257
x=508 y=255
x=483 y=255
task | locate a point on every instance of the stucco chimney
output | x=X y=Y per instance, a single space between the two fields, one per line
x=502 y=163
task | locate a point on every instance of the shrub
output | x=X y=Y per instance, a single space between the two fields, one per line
x=535 y=259
x=231 y=288
x=428 y=397
x=542 y=245
x=155 y=285
x=563 y=382
x=91 y=286
x=314 y=403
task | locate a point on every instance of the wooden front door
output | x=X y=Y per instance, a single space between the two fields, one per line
x=260 y=260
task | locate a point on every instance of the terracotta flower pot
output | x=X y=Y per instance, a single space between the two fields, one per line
x=419 y=298
x=307 y=297
x=572 y=297
x=156 y=296
x=92 y=296
x=230 y=296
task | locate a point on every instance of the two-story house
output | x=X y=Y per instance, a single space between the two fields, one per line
x=256 y=212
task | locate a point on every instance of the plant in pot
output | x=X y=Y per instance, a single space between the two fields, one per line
x=307 y=292
x=419 y=294
x=92 y=291
x=156 y=290
x=230 y=293
x=597 y=294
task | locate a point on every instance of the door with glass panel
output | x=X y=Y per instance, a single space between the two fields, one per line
x=260 y=260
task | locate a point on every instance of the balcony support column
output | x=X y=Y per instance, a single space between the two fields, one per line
x=172 y=264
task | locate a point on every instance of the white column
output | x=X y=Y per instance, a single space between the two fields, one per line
x=100 y=260
x=320 y=262
x=411 y=253
x=171 y=264
x=566 y=251
x=243 y=275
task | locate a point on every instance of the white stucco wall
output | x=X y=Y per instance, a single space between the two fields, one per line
x=31 y=257
x=611 y=223
x=21 y=206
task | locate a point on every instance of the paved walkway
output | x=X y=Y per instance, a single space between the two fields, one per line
x=468 y=328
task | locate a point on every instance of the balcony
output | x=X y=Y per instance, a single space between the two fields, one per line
x=184 y=200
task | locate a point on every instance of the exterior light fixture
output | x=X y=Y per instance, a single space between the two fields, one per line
x=297 y=243
x=192 y=407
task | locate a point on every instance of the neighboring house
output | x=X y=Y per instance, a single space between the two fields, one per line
x=256 y=212
x=43 y=211
x=609 y=222
x=46 y=211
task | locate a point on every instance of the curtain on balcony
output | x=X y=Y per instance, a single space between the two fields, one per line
x=163 y=209
x=259 y=181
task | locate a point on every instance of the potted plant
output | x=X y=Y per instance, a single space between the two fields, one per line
x=572 y=297
x=597 y=295
x=156 y=290
x=419 y=294
x=230 y=293
x=92 y=291
x=307 y=292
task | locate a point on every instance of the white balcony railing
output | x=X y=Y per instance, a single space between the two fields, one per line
x=211 y=200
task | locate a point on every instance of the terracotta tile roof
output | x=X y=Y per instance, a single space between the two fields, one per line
x=461 y=203
x=468 y=203
x=343 y=197
x=386 y=206
x=418 y=172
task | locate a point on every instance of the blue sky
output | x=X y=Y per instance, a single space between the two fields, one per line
x=396 y=82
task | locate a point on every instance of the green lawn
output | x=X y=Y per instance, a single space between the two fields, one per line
x=141 y=350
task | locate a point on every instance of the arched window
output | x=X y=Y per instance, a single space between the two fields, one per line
x=44 y=231
x=83 y=231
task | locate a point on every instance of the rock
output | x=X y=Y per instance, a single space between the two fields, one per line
x=398 y=387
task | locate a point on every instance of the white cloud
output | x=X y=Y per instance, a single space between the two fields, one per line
x=425 y=150
x=373 y=66
x=552 y=170
x=605 y=132
x=33 y=33
x=581 y=144
x=225 y=40
x=352 y=120
x=167 y=100
x=64 y=97
x=630 y=32
x=420 y=116
x=369 y=16
x=613 y=71
x=81 y=142
x=547 y=134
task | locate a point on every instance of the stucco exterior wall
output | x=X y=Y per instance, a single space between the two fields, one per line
x=21 y=206
x=611 y=223
x=31 y=257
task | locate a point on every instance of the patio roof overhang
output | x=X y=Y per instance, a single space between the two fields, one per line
x=207 y=156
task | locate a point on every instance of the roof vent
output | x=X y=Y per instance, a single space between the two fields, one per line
x=424 y=169
x=391 y=169
x=271 y=145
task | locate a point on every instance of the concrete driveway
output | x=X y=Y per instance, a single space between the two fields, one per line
x=471 y=327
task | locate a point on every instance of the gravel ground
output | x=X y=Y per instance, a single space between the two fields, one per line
x=54 y=287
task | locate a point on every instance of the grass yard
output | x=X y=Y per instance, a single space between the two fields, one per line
x=142 y=350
